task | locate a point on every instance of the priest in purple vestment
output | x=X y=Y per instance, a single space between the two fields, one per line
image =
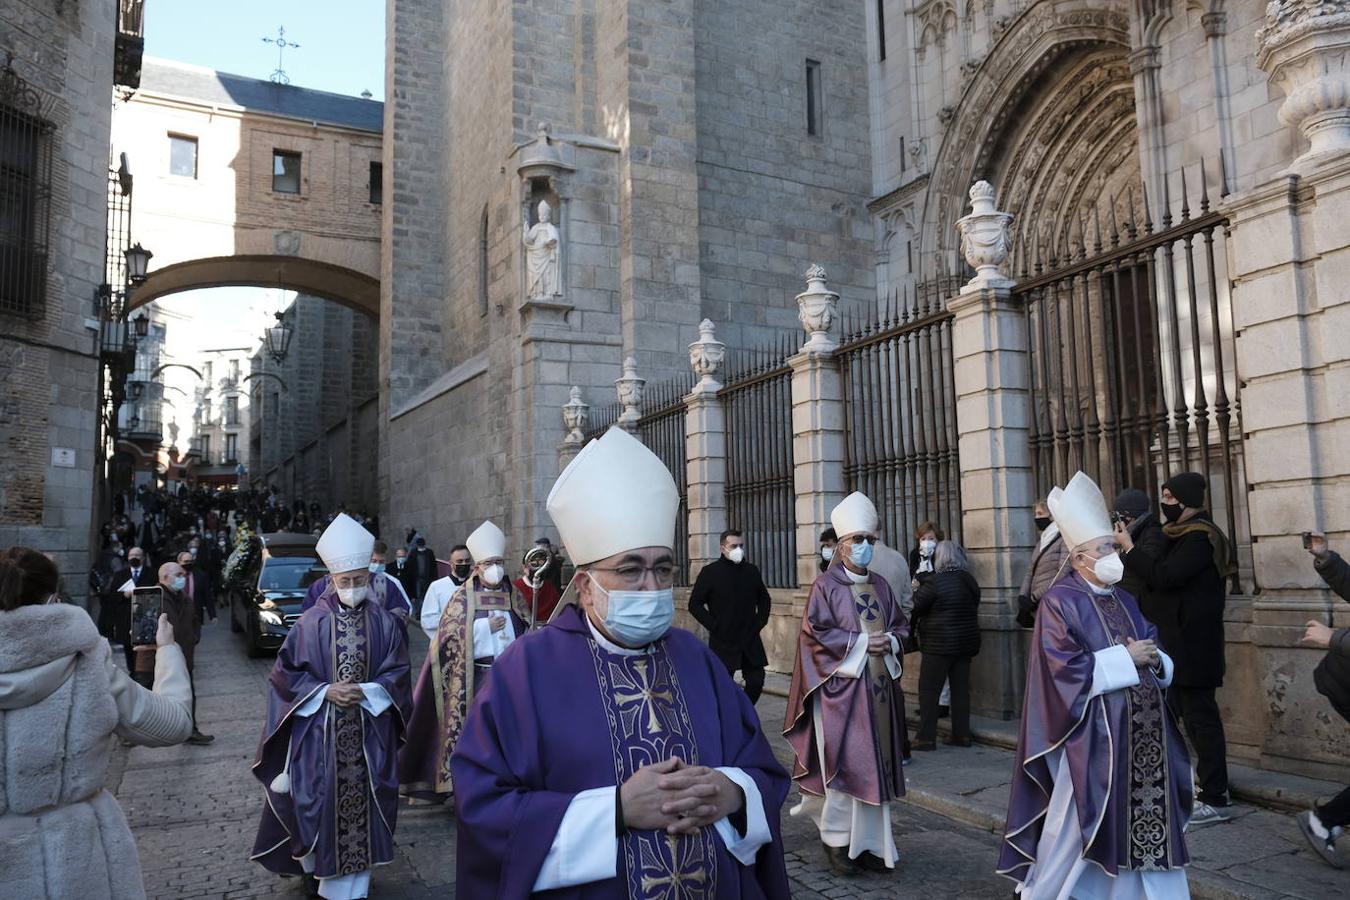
x=610 y=755
x=457 y=665
x=335 y=718
x=845 y=712
x=1101 y=790
x=385 y=589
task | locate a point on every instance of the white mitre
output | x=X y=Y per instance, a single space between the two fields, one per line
x=1079 y=511
x=486 y=542
x=616 y=495
x=854 y=514
x=345 y=546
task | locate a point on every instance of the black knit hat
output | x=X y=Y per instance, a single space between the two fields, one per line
x=1189 y=488
x=1132 y=502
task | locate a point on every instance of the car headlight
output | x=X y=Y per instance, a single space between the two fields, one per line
x=268 y=617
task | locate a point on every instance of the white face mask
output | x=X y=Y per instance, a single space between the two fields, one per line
x=1109 y=569
x=494 y=574
x=736 y=554
x=926 y=547
x=353 y=596
x=636 y=618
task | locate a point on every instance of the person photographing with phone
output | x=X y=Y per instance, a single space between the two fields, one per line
x=173 y=579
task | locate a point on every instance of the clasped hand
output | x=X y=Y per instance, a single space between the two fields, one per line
x=677 y=797
x=878 y=644
x=1144 y=653
x=345 y=694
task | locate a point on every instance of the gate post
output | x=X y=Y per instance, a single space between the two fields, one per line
x=817 y=422
x=705 y=431
x=990 y=372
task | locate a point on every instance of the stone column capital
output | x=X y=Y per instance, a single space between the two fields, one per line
x=1144 y=59
x=1215 y=23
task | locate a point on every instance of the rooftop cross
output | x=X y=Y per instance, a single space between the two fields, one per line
x=280 y=76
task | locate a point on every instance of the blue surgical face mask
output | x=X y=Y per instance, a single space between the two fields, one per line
x=178 y=583
x=376 y=568
x=861 y=554
x=636 y=618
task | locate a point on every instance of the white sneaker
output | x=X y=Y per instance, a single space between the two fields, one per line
x=1322 y=839
x=1204 y=814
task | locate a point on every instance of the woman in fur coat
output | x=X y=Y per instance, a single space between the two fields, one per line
x=61 y=701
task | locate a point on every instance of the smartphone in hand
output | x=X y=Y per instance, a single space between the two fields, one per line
x=146 y=605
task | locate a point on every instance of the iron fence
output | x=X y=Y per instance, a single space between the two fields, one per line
x=1130 y=338
x=760 y=496
x=662 y=429
x=602 y=419
x=900 y=412
x=25 y=195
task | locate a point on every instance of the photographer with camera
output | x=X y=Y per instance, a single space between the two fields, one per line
x=1322 y=824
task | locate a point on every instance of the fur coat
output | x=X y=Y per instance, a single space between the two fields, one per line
x=61 y=701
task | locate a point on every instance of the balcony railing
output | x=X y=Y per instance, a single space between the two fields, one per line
x=130 y=46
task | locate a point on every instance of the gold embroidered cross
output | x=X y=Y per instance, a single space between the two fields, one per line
x=673 y=877
x=641 y=691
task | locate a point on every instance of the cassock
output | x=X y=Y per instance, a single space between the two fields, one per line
x=567 y=716
x=845 y=714
x=549 y=595
x=388 y=593
x=447 y=683
x=330 y=774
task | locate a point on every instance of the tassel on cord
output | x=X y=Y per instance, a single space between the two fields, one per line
x=282 y=783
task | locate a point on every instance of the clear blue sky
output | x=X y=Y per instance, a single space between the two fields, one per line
x=341 y=41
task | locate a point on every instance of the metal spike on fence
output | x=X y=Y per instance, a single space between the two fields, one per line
x=1185 y=201
x=1166 y=203
x=1204 y=187
x=1148 y=214
x=1115 y=228
x=1097 y=228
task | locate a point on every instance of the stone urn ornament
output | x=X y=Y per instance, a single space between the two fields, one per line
x=630 y=388
x=576 y=413
x=705 y=357
x=816 y=309
x=1304 y=49
x=984 y=238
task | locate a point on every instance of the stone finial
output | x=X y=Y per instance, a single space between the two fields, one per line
x=816 y=309
x=540 y=157
x=630 y=394
x=984 y=238
x=1304 y=49
x=705 y=357
x=575 y=412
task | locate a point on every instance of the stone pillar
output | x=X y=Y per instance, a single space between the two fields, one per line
x=990 y=372
x=817 y=421
x=1305 y=49
x=705 y=431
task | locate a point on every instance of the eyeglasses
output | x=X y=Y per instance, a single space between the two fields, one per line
x=861 y=539
x=351 y=581
x=632 y=575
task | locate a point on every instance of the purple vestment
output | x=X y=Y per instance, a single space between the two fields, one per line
x=441 y=697
x=862 y=717
x=386 y=595
x=1131 y=773
x=561 y=715
x=343 y=797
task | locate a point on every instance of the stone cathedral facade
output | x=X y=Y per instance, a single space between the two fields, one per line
x=1168 y=187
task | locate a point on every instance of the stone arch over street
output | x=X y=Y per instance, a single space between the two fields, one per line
x=345 y=286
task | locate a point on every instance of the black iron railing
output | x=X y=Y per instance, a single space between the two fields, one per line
x=900 y=412
x=761 y=499
x=25 y=195
x=129 y=48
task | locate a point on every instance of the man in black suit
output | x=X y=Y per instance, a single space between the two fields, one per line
x=730 y=600
x=140 y=574
x=197 y=588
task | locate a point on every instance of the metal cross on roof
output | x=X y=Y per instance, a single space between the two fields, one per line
x=280 y=76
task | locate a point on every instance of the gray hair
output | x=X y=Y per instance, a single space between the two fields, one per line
x=949 y=555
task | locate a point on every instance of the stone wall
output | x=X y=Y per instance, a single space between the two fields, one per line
x=48 y=368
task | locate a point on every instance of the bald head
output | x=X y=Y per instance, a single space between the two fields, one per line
x=168 y=572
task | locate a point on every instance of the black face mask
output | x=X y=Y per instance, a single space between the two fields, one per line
x=462 y=572
x=1043 y=522
x=1171 y=511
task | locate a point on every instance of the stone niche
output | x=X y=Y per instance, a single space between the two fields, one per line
x=543 y=280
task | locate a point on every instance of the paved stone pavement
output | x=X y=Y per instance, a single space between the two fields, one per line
x=194 y=811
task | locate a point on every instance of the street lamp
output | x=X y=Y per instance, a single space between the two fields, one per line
x=138 y=261
x=134 y=422
x=142 y=323
x=279 y=339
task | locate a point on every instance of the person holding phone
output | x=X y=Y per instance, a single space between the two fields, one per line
x=1324 y=822
x=183 y=616
x=62 y=697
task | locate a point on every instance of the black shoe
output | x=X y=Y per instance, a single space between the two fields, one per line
x=959 y=742
x=922 y=746
x=839 y=862
x=870 y=862
x=200 y=739
x=311 y=885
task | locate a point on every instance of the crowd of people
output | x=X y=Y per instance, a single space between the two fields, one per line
x=664 y=767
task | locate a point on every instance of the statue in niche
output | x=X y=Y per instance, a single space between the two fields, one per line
x=542 y=244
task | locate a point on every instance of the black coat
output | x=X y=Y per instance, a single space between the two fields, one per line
x=1147 y=533
x=947 y=614
x=730 y=600
x=1332 y=675
x=1187 y=598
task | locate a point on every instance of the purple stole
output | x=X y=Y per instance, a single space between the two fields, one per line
x=648 y=723
x=351 y=775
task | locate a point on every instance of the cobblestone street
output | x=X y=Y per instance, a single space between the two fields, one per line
x=194 y=811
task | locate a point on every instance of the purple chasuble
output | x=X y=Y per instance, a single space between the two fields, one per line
x=441 y=700
x=1129 y=766
x=864 y=729
x=342 y=766
x=560 y=716
x=386 y=595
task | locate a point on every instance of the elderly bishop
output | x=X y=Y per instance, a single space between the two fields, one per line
x=611 y=755
x=1101 y=790
x=335 y=719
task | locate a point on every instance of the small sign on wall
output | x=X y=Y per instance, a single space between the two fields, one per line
x=63 y=457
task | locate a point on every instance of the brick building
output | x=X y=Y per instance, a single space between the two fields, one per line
x=56 y=84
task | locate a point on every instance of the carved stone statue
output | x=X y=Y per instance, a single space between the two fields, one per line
x=575 y=414
x=173 y=432
x=984 y=237
x=816 y=309
x=705 y=357
x=629 y=388
x=542 y=245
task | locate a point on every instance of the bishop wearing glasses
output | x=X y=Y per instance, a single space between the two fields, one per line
x=611 y=755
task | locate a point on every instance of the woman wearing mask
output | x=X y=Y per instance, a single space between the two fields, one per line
x=921 y=557
x=1048 y=564
x=61 y=699
x=827 y=541
x=946 y=616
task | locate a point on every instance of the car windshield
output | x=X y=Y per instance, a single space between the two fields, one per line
x=290 y=573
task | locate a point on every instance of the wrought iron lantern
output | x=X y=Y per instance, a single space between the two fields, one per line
x=134 y=422
x=279 y=339
x=142 y=323
x=138 y=262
